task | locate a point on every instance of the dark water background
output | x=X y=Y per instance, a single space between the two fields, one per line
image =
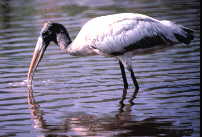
x=76 y=96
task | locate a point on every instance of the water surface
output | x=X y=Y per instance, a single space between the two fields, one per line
x=77 y=96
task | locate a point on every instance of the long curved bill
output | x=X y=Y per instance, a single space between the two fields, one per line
x=36 y=58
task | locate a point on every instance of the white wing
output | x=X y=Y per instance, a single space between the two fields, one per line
x=119 y=33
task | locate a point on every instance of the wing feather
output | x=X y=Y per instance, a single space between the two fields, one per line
x=117 y=34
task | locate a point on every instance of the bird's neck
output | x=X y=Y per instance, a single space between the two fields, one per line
x=63 y=40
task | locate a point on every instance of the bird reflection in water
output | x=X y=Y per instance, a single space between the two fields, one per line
x=36 y=113
x=122 y=124
x=131 y=100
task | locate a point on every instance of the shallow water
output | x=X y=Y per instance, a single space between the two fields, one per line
x=77 y=96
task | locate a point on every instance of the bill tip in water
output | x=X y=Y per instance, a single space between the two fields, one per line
x=29 y=81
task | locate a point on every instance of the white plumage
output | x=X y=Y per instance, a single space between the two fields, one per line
x=113 y=33
x=119 y=35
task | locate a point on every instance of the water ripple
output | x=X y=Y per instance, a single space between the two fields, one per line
x=76 y=96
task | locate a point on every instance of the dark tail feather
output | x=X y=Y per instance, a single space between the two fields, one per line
x=187 y=37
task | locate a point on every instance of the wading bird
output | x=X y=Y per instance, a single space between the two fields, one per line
x=119 y=35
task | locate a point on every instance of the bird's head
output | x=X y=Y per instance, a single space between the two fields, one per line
x=51 y=32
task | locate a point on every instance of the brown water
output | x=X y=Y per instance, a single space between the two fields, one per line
x=80 y=97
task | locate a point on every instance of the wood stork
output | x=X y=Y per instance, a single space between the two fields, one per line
x=119 y=35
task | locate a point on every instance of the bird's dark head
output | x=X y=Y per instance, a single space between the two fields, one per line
x=50 y=32
x=55 y=32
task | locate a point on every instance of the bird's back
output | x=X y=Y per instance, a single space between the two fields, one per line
x=120 y=33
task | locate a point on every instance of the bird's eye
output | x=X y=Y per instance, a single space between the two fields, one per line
x=44 y=33
x=49 y=32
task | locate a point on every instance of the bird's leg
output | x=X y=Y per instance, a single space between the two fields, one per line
x=123 y=75
x=134 y=79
